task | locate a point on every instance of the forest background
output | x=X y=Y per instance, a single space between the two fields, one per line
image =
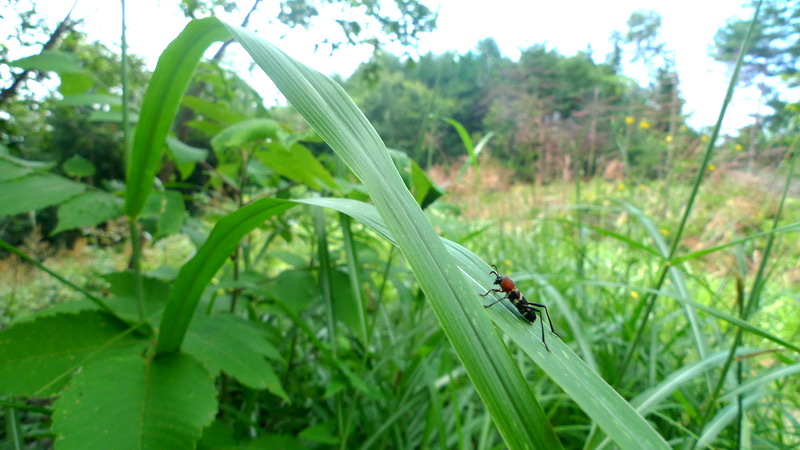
x=588 y=186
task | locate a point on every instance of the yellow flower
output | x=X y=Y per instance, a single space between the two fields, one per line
x=712 y=167
x=738 y=147
x=644 y=124
x=664 y=231
x=634 y=295
x=629 y=120
x=621 y=187
x=668 y=139
x=704 y=138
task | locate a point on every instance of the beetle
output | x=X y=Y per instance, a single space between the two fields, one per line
x=527 y=309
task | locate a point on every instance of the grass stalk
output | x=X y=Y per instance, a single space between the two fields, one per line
x=755 y=294
x=709 y=151
x=136 y=245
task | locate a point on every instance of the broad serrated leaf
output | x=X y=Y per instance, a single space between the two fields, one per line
x=10 y=171
x=245 y=132
x=136 y=402
x=75 y=83
x=322 y=432
x=88 y=209
x=78 y=166
x=124 y=296
x=218 y=435
x=90 y=99
x=212 y=110
x=34 y=165
x=229 y=344
x=36 y=191
x=38 y=357
x=164 y=214
x=296 y=289
x=286 y=161
x=50 y=61
x=185 y=155
x=113 y=116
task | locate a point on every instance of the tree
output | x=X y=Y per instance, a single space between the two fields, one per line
x=773 y=60
x=775 y=47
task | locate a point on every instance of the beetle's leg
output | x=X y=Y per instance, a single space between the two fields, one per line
x=539 y=305
x=496 y=301
x=490 y=291
x=528 y=307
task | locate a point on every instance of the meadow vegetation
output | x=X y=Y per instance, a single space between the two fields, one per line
x=277 y=278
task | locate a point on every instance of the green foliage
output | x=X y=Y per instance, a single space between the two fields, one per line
x=166 y=87
x=211 y=340
x=39 y=357
x=150 y=402
x=771 y=60
x=295 y=330
x=88 y=209
x=36 y=191
x=79 y=167
x=393 y=104
x=49 y=61
x=414 y=18
x=196 y=274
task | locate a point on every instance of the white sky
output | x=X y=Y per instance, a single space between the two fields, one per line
x=688 y=28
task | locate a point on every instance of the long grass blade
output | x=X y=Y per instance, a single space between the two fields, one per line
x=604 y=405
x=329 y=110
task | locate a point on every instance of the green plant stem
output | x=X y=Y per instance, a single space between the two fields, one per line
x=326 y=286
x=126 y=122
x=136 y=265
x=353 y=268
x=126 y=132
x=237 y=256
x=651 y=300
x=93 y=298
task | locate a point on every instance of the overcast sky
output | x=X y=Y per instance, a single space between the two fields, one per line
x=688 y=29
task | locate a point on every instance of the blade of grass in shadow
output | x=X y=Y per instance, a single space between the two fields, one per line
x=693 y=196
x=328 y=109
x=614 y=415
x=326 y=289
x=354 y=276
